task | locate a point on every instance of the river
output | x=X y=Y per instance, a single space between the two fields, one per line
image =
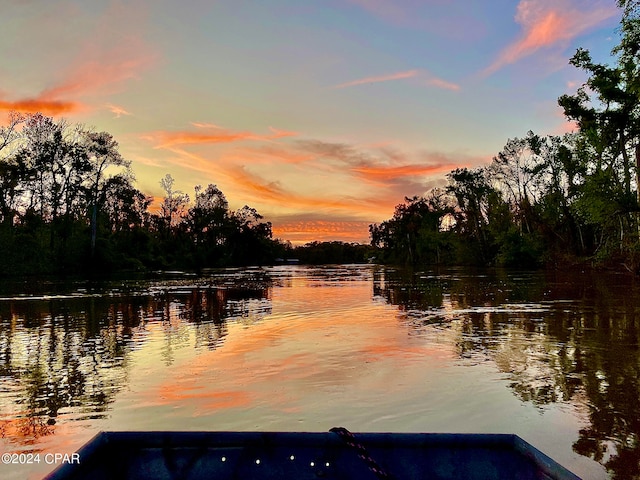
x=551 y=356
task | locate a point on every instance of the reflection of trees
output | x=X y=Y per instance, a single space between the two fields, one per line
x=575 y=340
x=67 y=358
x=409 y=292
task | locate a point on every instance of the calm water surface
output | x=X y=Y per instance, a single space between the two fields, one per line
x=552 y=357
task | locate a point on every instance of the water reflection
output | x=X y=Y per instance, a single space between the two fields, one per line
x=562 y=338
x=381 y=348
x=68 y=354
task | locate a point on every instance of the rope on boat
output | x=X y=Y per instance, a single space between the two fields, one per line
x=349 y=438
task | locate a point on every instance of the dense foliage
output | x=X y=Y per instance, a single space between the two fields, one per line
x=543 y=198
x=68 y=204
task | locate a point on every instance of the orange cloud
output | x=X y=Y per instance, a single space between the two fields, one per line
x=101 y=65
x=393 y=172
x=301 y=232
x=278 y=179
x=167 y=139
x=254 y=188
x=274 y=152
x=40 y=104
x=99 y=75
x=273 y=193
x=548 y=22
x=110 y=56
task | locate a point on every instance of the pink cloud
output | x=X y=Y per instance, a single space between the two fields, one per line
x=204 y=125
x=378 y=79
x=440 y=83
x=566 y=127
x=428 y=79
x=546 y=23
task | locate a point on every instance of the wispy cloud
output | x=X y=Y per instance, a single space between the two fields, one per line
x=380 y=78
x=546 y=23
x=272 y=192
x=213 y=134
x=387 y=174
x=384 y=174
x=204 y=125
x=117 y=110
x=40 y=104
x=444 y=84
x=425 y=77
x=100 y=66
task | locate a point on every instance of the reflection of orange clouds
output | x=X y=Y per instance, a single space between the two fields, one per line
x=66 y=436
x=25 y=430
x=209 y=400
x=313 y=341
x=376 y=352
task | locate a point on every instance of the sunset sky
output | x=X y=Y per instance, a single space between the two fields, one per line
x=321 y=114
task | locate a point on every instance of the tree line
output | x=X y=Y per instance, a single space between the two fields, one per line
x=568 y=198
x=68 y=204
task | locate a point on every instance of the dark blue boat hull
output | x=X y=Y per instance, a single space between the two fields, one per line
x=280 y=455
